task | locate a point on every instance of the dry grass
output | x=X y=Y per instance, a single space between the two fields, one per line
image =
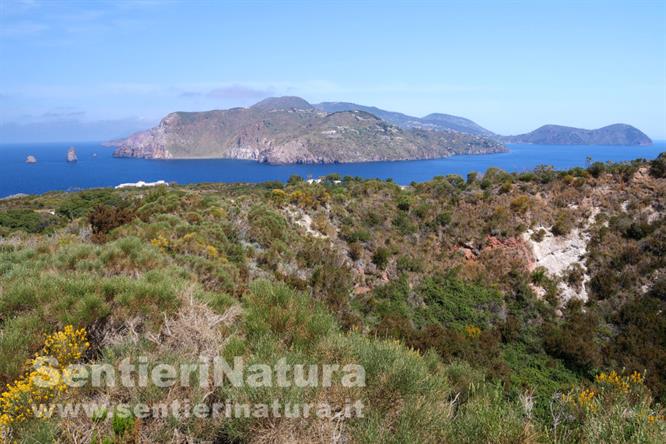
x=194 y=330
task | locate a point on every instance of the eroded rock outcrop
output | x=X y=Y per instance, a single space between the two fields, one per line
x=71 y=155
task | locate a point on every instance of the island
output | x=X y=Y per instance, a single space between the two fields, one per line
x=283 y=130
x=617 y=134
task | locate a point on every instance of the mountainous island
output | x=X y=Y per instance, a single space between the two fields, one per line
x=281 y=130
x=617 y=134
x=290 y=130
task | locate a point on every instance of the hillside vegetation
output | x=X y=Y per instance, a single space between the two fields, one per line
x=458 y=296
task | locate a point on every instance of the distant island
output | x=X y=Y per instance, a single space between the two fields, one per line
x=283 y=130
x=617 y=134
x=291 y=130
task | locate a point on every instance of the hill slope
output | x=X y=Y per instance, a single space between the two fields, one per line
x=290 y=130
x=437 y=121
x=617 y=134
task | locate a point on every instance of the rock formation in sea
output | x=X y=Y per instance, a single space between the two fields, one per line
x=71 y=155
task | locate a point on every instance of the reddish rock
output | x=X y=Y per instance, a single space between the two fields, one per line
x=468 y=253
x=362 y=290
x=516 y=245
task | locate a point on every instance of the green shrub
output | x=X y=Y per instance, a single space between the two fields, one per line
x=380 y=257
x=372 y=219
x=294 y=180
x=122 y=424
x=75 y=205
x=452 y=302
x=356 y=236
x=266 y=225
x=26 y=220
x=472 y=178
x=597 y=169
x=545 y=173
x=409 y=263
x=292 y=319
x=488 y=417
x=538 y=235
x=640 y=344
x=520 y=204
x=574 y=339
x=658 y=166
x=403 y=224
x=443 y=218
x=563 y=224
x=403 y=204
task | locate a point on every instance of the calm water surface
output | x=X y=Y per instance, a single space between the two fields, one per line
x=97 y=168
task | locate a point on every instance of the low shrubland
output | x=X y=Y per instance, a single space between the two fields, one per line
x=429 y=288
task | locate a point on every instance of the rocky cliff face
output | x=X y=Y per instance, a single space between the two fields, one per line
x=617 y=134
x=290 y=130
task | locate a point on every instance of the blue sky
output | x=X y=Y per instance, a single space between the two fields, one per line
x=86 y=70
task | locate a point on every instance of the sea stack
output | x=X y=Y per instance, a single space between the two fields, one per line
x=71 y=155
x=31 y=159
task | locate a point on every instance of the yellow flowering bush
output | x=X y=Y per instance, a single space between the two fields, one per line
x=472 y=331
x=279 y=196
x=585 y=400
x=218 y=212
x=618 y=406
x=160 y=242
x=211 y=251
x=619 y=382
x=66 y=346
x=47 y=377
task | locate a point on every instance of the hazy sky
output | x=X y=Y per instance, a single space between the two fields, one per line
x=87 y=70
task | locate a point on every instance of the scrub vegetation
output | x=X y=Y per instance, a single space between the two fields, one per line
x=436 y=289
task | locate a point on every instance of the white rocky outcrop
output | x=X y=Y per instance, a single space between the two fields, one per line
x=557 y=253
x=303 y=220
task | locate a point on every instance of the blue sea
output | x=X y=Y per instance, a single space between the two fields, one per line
x=97 y=168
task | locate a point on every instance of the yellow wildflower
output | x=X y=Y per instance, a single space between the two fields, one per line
x=47 y=378
x=472 y=331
